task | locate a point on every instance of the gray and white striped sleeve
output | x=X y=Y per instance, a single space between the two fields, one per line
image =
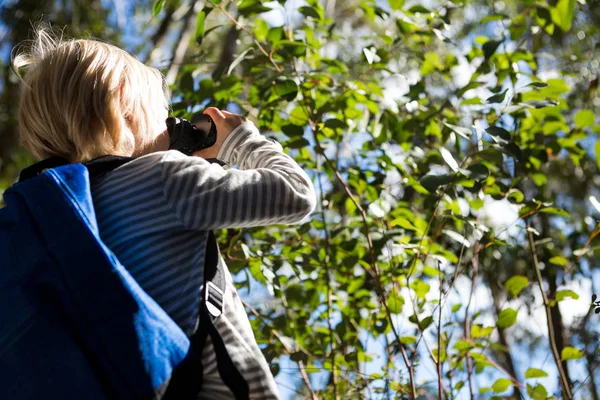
x=268 y=188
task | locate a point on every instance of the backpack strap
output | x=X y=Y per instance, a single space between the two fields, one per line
x=187 y=379
x=101 y=165
x=96 y=167
x=213 y=296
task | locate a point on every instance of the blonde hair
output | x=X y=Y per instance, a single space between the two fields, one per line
x=82 y=99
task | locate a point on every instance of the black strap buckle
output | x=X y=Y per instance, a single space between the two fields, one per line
x=213 y=298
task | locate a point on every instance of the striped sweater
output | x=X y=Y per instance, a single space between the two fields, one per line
x=154 y=213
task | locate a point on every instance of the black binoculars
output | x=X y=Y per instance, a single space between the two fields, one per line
x=188 y=137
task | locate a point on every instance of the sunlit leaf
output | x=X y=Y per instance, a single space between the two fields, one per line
x=563 y=294
x=501 y=385
x=516 y=284
x=462 y=131
x=558 y=260
x=157 y=7
x=535 y=373
x=570 y=353
x=238 y=60
x=585 y=118
x=507 y=318
x=457 y=236
x=563 y=13
x=200 y=21
x=396 y=4
x=447 y=156
x=395 y=303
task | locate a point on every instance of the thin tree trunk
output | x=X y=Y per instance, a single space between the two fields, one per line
x=507 y=357
x=185 y=34
x=158 y=36
x=228 y=53
x=557 y=323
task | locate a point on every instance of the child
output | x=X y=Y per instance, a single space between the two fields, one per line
x=84 y=99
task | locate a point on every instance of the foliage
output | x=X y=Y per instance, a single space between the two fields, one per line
x=419 y=124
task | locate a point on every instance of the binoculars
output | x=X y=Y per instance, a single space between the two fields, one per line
x=188 y=137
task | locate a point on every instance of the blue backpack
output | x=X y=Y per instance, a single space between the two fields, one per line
x=74 y=324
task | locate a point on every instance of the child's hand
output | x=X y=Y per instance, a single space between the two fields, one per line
x=225 y=122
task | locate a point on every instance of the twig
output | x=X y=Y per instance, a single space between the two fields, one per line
x=563 y=378
x=467 y=324
x=439 y=333
x=329 y=302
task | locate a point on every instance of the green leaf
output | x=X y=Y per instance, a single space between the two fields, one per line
x=538 y=85
x=425 y=322
x=238 y=60
x=396 y=4
x=297 y=143
x=335 y=123
x=507 y=318
x=497 y=98
x=298 y=356
x=585 y=118
x=477 y=331
x=395 y=303
x=432 y=182
x=299 y=116
x=541 y=103
x=462 y=131
x=261 y=30
x=200 y=21
x=292 y=130
x=494 y=17
x=421 y=288
x=477 y=172
x=563 y=13
x=310 y=12
x=563 y=294
x=499 y=133
x=404 y=223
x=501 y=385
x=286 y=89
x=490 y=47
x=538 y=392
x=249 y=7
x=447 y=156
x=457 y=236
x=516 y=284
x=571 y=353
x=157 y=7
x=431 y=63
x=535 y=373
x=558 y=260
x=408 y=339
x=419 y=9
